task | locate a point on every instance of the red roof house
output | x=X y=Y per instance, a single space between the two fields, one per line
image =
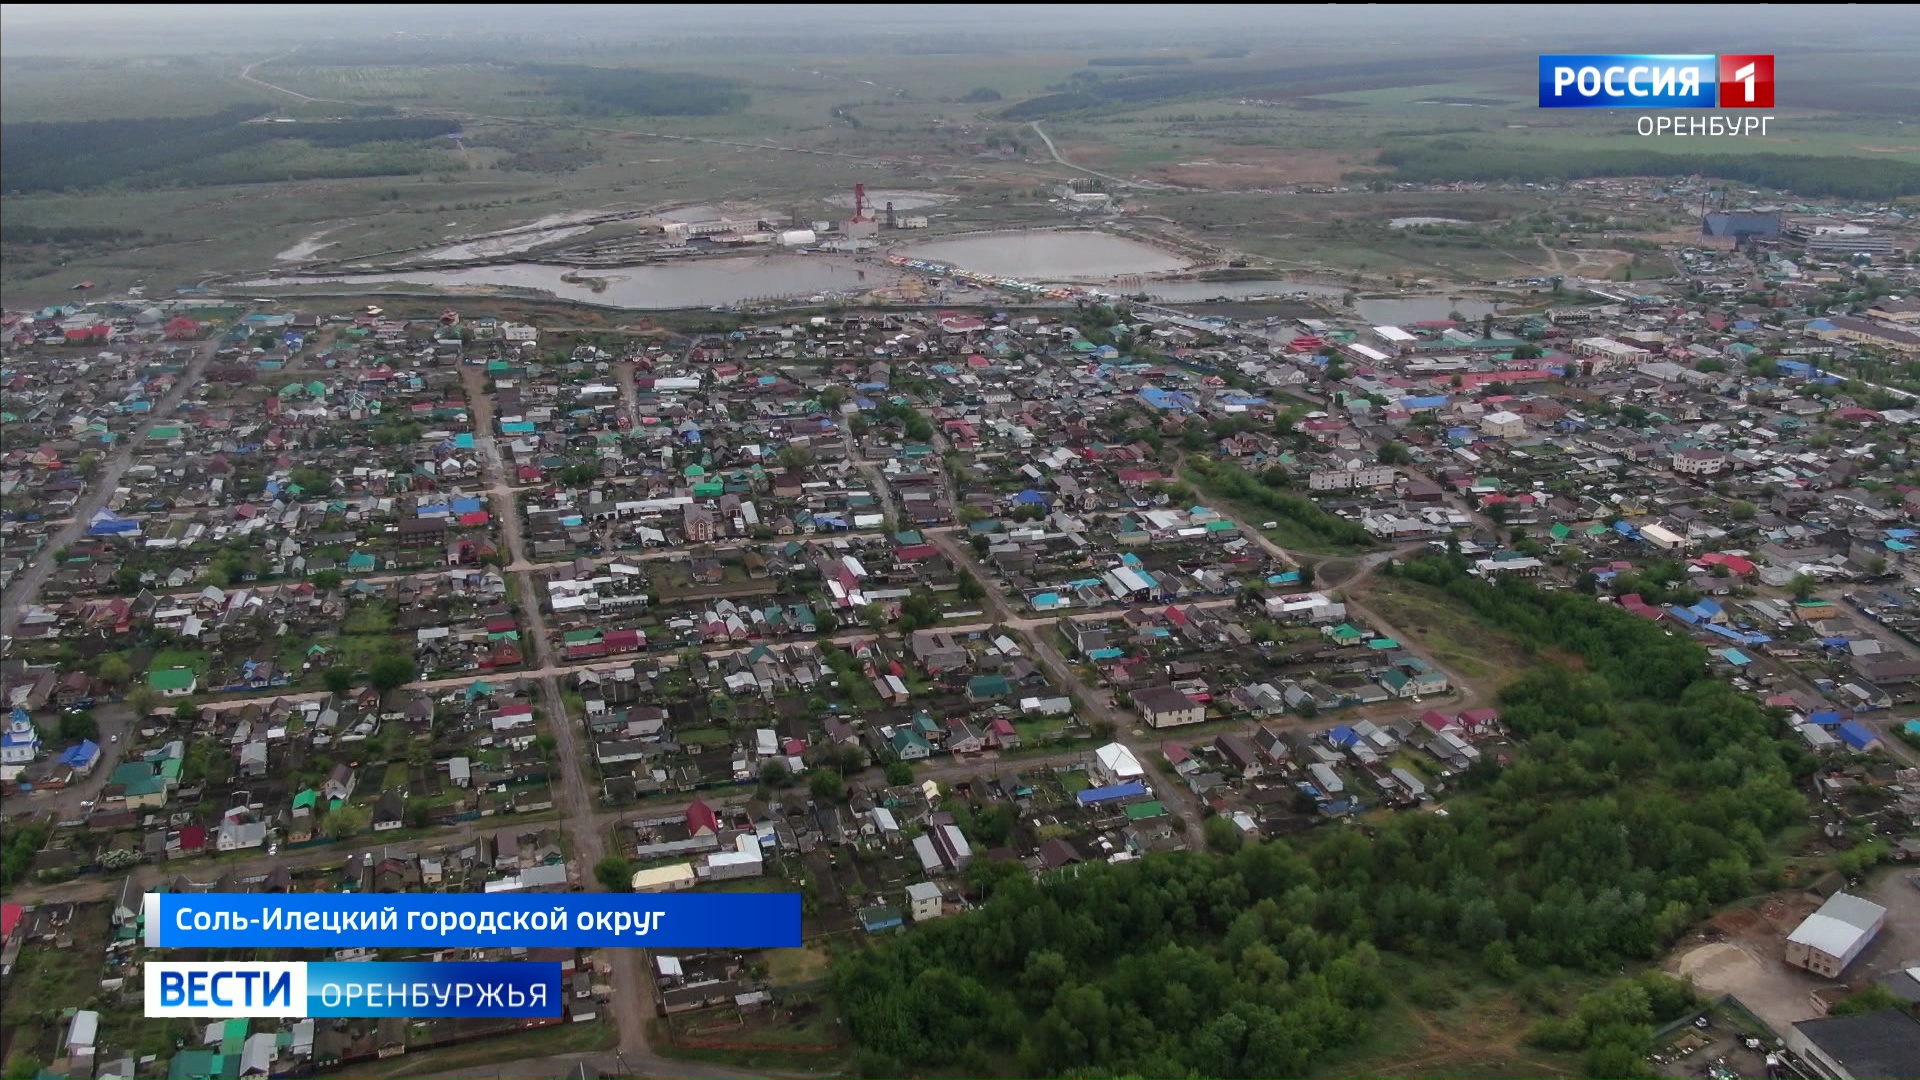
x=701 y=820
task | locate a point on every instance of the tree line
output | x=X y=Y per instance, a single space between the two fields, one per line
x=1231 y=482
x=1640 y=796
x=63 y=155
x=1840 y=177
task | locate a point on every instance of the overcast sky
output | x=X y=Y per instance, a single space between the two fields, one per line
x=1622 y=28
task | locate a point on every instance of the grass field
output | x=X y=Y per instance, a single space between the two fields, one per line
x=1444 y=1022
x=1449 y=631
x=889 y=119
x=786 y=967
x=48 y=89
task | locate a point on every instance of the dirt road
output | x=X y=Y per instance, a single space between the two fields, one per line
x=20 y=592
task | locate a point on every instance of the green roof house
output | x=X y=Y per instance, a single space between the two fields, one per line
x=174 y=681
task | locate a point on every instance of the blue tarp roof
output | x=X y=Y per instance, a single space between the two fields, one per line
x=1625 y=529
x=1166 y=399
x=1132 y=789
x=1856 y=735
x=1736 y=636
x=1434 y=401
x=1825 y=718
x=76 y=757
x=1342 y=736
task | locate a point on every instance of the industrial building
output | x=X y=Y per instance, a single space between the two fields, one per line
x=1834 y=936
x=1875 y=1044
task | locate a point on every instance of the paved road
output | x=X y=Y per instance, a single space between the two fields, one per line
x=20 y=592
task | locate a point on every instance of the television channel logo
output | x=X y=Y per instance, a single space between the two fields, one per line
x=1656 y=81
x=1746 y=81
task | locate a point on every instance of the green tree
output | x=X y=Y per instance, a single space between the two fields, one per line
x=186 y=712
x=390 y=671
x=614 y=874
x=774 y=773
x=1394 y=453
x=1871 y=998
x=77 y=726
x=1222 y=834
x=344 y=822
x=115 y=671
x=143 y=700
x=312 y=481
x=899 y=773
x=338 y=680
x=1804 y=587
x=827 y=786
x=325 y=581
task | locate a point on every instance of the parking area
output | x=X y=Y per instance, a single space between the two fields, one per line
x=1898 y=945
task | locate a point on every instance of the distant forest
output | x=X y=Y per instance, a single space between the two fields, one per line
x=604 y=91
x=76 y=155
x=1138 y=61
x=1838 y=177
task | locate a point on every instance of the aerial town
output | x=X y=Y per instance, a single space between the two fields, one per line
x=320 y=598
x=1141 y=653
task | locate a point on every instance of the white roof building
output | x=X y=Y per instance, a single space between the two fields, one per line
x=1117 y=764
x=1834 y=936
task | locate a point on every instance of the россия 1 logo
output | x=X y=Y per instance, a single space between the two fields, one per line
x=1650 y=81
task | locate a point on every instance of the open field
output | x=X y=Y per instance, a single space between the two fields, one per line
x=1457 y=639
x=44 y=89
x=1237 y=133
x=1445 y=1023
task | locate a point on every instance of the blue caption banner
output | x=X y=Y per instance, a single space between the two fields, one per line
x=431 y=920
x=454 y=988
x=214 y=989
x=1628 y=81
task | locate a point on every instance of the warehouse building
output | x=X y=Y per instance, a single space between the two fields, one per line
x=1875 y=1044
x=1832 y=937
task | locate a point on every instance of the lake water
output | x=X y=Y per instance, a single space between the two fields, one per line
x=653 y=287
x=1051 y=256
x=1404 y=222
x=1192 y=292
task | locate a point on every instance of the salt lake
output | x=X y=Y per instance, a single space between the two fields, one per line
x=1043 y=256
x=651 y=287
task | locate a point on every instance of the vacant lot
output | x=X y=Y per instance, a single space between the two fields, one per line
x=1460 y=642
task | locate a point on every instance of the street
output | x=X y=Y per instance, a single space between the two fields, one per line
x=22 y=590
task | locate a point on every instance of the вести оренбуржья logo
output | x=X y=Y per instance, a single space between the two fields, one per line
x=1651 y=81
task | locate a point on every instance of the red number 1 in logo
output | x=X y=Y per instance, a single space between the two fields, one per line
x=1746 y=82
